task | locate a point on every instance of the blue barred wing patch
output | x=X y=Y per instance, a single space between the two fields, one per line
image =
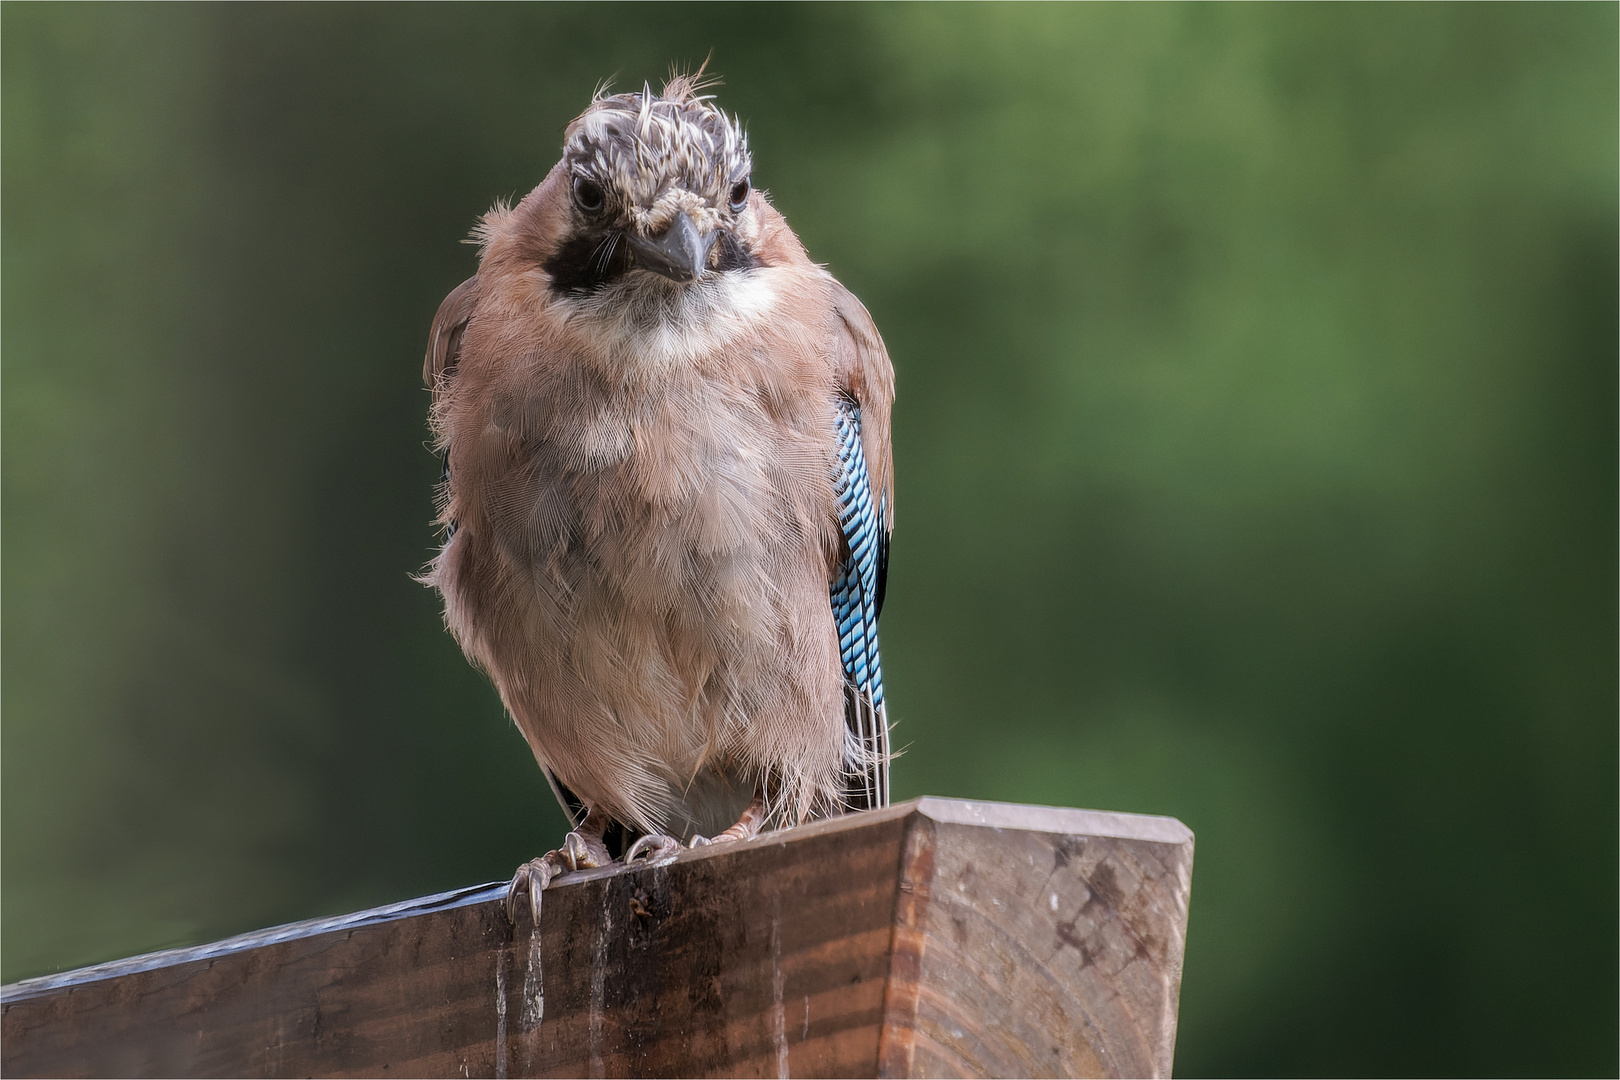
x=857 y=598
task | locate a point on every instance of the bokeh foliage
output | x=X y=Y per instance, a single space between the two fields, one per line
x=1256 y=446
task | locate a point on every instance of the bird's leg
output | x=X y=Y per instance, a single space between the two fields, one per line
x=582 y=849
x=747 y=827
x=658 y=845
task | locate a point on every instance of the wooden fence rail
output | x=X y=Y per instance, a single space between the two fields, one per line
x=933 y=938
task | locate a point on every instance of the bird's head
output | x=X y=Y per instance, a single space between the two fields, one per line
x=656 y=183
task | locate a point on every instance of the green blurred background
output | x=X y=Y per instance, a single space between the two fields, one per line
x=1256 y=444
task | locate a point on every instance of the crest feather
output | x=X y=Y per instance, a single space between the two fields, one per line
x=682 y=88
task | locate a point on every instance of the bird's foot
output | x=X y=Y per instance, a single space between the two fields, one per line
x=747 y=827
x=580 y=851
x=655 y=846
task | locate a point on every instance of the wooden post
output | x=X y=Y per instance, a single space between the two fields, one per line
x=933 y=938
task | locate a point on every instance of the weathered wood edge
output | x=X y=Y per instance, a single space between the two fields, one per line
x=925 y=918
x=40 y=985
x=492 y=892
x=897 y=1038
x=923 y=820
x=1060 y=820
x=997 y=815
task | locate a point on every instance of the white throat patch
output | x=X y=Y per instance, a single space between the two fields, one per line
x=649 y=322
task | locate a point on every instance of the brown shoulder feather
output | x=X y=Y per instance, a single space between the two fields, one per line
x=862 y=370
x=860 y=363
x=444 y=341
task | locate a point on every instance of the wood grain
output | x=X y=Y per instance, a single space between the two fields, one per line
x=1037 y=942
x=932 y=938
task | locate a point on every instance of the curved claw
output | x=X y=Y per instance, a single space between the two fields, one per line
x=582 y=849
x=656 y=845
x=539 y=877
x=532 y=877
x=575 y=852
x=512 y=893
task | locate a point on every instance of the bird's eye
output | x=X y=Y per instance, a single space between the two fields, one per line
x=588 y=195
x=739 y=195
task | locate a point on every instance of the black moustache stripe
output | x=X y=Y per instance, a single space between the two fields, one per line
x=589 y=261
x=593 y=260
x=729 y=254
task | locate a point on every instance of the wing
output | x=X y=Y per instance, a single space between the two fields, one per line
x=444 y=340
x=444 y=349
x=856 y=595
x=863 y=484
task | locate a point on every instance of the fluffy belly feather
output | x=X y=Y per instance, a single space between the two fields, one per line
x=648 y=590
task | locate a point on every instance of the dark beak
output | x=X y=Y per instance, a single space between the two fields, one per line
x=680 y=254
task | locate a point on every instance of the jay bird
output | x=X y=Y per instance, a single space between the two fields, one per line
x=668 y=492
